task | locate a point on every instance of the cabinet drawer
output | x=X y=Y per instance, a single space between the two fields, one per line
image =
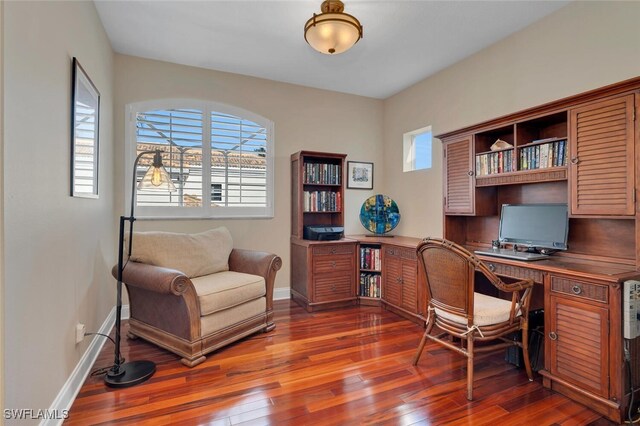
x=330 y=249
x=333 y=287
x=590 y=291
x=515 y=272
x=404 y=253
x=330 y=264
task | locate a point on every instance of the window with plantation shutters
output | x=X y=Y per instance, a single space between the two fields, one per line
x=220 y=159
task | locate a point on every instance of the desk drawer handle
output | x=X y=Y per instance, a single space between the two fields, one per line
x=333 y=251
x=576 y=289
x=553 y=336
x=492 y=267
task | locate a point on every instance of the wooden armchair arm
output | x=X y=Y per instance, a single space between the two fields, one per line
x=259 y=263
x=521 y=290
x=154 y=278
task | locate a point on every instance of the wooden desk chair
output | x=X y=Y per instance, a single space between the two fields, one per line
x=456 y=310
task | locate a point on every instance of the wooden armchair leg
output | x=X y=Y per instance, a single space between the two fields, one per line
x=420 y=348
x=424 y=340
x=470 y=367
x=525 y=351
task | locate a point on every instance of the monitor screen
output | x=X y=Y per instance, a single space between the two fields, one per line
x=535 y=225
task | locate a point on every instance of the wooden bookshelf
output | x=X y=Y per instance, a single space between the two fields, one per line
x=323 y=273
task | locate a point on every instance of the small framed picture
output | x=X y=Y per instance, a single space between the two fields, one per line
x=85 y=120
x=359 y=175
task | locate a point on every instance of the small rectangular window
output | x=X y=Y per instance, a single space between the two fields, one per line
x=417 y=149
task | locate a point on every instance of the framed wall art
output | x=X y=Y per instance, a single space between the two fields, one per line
x=359 y=175
x=85 y=126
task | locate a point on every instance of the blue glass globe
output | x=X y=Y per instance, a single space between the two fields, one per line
x=379 y=214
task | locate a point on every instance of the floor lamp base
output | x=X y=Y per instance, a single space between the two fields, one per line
x=134 y=372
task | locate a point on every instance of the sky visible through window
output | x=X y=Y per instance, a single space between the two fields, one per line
x=422 y=144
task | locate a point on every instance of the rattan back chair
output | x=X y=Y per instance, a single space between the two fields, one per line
x=455 y=309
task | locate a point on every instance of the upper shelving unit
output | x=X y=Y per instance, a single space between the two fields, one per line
x=317 y=186
x=534 y=150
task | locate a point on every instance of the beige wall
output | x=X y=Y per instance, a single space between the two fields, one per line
x=583 y=46
x=304 y=118
x=59 y=249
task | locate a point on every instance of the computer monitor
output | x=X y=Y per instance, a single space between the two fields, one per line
x=535 y=225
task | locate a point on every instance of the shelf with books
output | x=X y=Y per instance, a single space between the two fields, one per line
x=370 y=258
x=494 y=162
x=543 y=154
x=322 y=201
x=370 y=285
x=322 y=174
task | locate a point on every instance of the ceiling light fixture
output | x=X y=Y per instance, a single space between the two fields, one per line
x=333 y=31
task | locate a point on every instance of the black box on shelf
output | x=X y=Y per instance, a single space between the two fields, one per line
x=323 y=233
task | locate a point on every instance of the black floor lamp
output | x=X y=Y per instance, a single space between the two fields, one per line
x=123 y=375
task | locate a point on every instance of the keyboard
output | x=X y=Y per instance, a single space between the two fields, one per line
x=510 y=254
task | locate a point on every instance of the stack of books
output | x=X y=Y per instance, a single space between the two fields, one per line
x=321 y=174
x=544 y=155
x=322 y=201
x=370 y=258
x=370 y=285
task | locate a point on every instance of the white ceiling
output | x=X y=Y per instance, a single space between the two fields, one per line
x=404 y=41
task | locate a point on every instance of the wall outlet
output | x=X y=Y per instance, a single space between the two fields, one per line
x=80 y=330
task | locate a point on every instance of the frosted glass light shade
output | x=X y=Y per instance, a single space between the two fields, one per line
x=333 y=31
x=157 y=177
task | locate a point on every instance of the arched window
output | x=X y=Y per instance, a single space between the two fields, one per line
x=220 y=159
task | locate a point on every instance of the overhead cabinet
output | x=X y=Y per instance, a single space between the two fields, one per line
x=602 y=157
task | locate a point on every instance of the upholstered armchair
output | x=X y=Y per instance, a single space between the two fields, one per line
x=193 y=293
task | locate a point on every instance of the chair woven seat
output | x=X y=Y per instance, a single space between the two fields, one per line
x=487 y=310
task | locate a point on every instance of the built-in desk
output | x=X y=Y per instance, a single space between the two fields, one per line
x=582 y=302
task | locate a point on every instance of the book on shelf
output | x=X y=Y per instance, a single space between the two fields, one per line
x=370 y=258
x=316 y=173
x=544 y=155
x=370 y=285
x=322 y=201
x=494 y=162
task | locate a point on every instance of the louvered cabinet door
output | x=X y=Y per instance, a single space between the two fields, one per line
x=579 y=344
x=602 y=158
x=392 y=277
x=459 y=177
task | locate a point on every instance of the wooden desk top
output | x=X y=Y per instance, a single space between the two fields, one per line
x=590 y=269
x=584 y=268
x=396 y=240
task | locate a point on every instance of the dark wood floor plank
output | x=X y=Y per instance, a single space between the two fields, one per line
x=348 y=366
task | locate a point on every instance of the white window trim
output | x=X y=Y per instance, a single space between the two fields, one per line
x=206 y=211
x=409 y=149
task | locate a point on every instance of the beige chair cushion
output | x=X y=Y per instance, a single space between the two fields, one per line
x=224 y=290
x=487 y=310
x=192 y=254
x=233 y=316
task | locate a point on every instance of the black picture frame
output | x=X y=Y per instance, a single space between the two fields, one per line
x=85 y=131
x=359 y=175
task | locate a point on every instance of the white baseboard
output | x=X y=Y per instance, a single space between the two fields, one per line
x=70 y=390
x=281 y=293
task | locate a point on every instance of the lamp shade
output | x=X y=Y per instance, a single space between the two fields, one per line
x=332 y=31
x=157 y=177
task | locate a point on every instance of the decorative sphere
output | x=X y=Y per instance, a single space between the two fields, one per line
x=379 y=214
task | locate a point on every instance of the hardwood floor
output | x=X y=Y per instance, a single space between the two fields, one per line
x=348 y=366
